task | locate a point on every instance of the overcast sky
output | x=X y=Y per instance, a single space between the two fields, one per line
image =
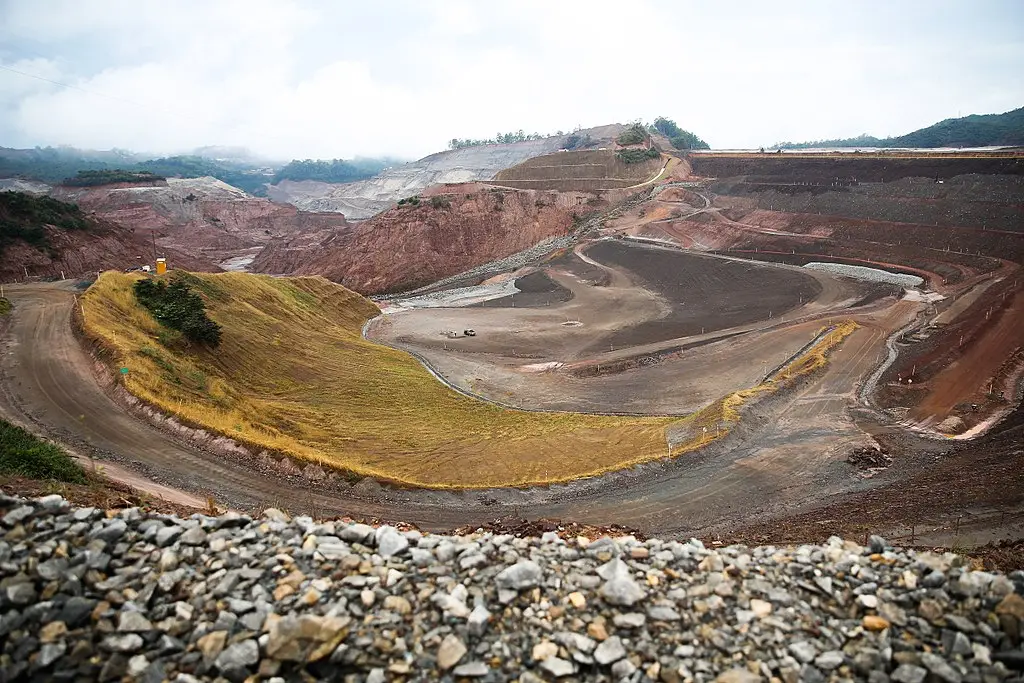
x=338 y=79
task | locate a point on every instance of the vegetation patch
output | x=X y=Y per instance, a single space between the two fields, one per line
x=636 y=156
x=634 y=135
x=176 y=306
x=23 y=454
x=294 y=375
x=5 y=306
x=24 y=217
x=107 y=177
x=680 y=139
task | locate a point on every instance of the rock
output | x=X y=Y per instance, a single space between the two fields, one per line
x=760 y=608
x=1012 y=605
x=523 y=574
x=390 y=542
x=471 y=670
x=956 y=643
x=133 y=622
x=877 y=544
x=50 y=653
x=827 y=661
x=193 y=536
x=629 y=620
x=803 y=650
x=908 y=673
x=609 y=651
x=543 y=650
x=166 y=535
x=934 y=579
x=659 y=613
x=737 y=676
x=451 y=650
x=477 y=621
x=874 y=623
x=577 y=600
x=558 y=667
x=124 y=642
x=212 y=644
x=623 y=669
x=397 y=604
x=241 y=655
x=357 y=533
x=21 y=593
x=939 y=668
x=112 y=531
x=622 y=590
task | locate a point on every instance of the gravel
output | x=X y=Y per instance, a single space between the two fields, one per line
x=95 y=596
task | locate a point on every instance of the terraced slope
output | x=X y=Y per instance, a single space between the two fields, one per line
x=294 y=375
x=577 y=171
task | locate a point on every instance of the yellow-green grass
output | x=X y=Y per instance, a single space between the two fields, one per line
x=294 y=375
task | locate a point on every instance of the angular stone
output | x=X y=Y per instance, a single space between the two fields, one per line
x=622 y=590
x=238 y=656
x=803 y=650
x=940 y=669
x=609 y=651
x=123 y=642
x=212 y=644
x=131 y=621
x=523 y=574
x=471 y=670
x=193 y=536
x=450 y=651
x=390 y=542
x=827 y=661
x=558 y=667
x=908 y=673
x=629 y=620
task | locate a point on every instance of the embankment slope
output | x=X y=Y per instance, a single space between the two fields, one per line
x=294 y=375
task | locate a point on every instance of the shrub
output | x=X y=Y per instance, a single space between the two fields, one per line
x=636 y=156
x=439 y=202
x=179 y=308
x=633 y=135
x=23 y=454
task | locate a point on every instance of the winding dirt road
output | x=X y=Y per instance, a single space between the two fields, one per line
x=788 y=454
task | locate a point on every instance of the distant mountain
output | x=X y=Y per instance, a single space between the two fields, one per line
x=976 y=130
x=232 y=165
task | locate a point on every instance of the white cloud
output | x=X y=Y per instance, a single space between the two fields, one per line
x=297 y=79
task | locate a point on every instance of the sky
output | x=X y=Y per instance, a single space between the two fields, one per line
x=310 y=79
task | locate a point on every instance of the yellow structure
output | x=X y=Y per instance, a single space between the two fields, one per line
x=161 y=266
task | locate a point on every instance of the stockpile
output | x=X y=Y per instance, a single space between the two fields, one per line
x=94 y=595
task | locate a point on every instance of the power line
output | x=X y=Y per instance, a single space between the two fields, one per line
x=73 y=87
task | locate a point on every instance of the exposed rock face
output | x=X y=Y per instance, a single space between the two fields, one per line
x=200 y=216
x=366 y=198
x=410 y=246
x=78 y=253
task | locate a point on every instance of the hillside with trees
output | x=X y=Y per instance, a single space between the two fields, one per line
x=976 y=130
x=332 y=170
x=680 y=139
x=23 y=218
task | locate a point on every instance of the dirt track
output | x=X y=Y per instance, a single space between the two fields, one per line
x=48 y=381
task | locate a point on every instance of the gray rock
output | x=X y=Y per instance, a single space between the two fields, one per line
x=955 y=643
x=52 y=569
x=477 y=621
x=623 y=669
x=558 y=667
x=238 y=656
x=52 y=503
x=629 y=620
x=877 y=544
x=662 y=614
x=622 y=590
x=193 y=536
x=21 y=593
x=357 y=533
x=471 y=670
x=390 y=542
x=123 y=642
x=112 y=531
x=166 y=535
x=934 y=579
x=18 y=515
x=803 y=650
x=133 y=622
x=908 y=673
x=50 y=652
x=827 y=661
x=523 y=574
x=939 y=668
x=609 y=651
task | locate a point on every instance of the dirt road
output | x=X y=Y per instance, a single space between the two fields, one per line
x=767 y=465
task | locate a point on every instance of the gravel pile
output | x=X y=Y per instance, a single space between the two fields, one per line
x=869 y=274
x=93 y=595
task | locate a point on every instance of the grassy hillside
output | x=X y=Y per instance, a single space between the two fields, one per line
x=581 y=170
x=293 y=374
x=969 y=131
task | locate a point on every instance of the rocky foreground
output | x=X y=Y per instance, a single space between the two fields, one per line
x=93 y=595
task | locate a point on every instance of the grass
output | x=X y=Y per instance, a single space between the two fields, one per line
x=22 y=454
x=294 y=375
x=5 y=306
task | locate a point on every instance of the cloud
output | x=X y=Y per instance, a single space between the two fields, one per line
x=307 y=79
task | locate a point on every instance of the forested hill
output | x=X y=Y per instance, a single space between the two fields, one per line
x=976 y=130
x=61 y=164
